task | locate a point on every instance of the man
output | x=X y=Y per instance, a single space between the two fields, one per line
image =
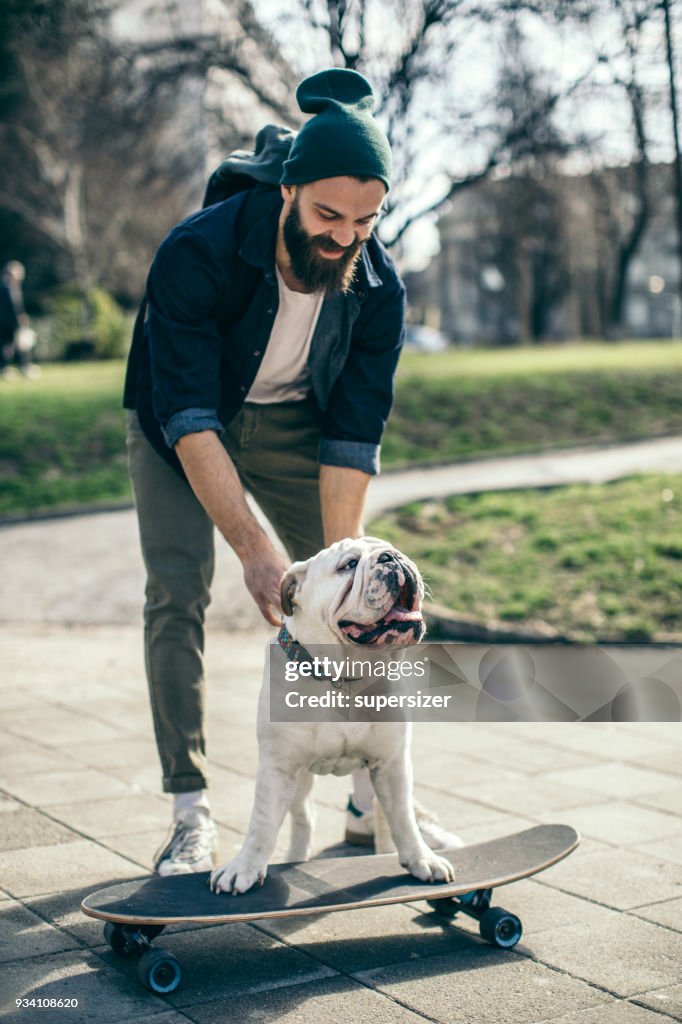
x=266 y=362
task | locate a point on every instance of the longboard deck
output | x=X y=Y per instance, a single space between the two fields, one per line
x=326 y=885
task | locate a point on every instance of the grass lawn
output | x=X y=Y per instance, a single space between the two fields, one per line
x=593 y=562
x=461 y=404
x=62 y=436
x=62 y=439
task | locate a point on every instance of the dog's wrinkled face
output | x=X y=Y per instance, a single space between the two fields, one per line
x=358 y=591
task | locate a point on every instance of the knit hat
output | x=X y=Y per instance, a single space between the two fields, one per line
x=342 y=138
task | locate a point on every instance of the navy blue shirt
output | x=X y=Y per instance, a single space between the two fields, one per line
x=212 y=299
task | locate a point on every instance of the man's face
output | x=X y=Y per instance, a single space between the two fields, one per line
x=325 y=224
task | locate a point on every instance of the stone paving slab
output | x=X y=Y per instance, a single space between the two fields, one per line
x=32 y=759
x=619 y=781
x=104 y=995
x=666 y=800
x=667 y=1000
x=76 y=786
x=23 y=934
x=520 y=797
x=667 y=761
x=55 y=727
x=483 y=779
x=29 y=827
x=619 y=879
x=330 y=1001
x=620 y=823
x=619 y=952
x=119 y=753
x=486 y=985
x=617 y=1012
x=47 y=869
x=669 y=848
x=668 y=913
x=105 y=818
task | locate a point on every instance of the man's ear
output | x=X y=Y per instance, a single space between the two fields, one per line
x=288 y=193
x=290 y=585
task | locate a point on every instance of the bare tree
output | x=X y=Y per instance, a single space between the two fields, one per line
x=626 y=221
x=429 y=115
x=677 y=163
x=96 y=157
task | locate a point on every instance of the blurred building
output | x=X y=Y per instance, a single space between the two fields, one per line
x=537 y=259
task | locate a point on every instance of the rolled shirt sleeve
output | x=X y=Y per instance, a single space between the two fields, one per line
x=350 y=454
x=190 y=421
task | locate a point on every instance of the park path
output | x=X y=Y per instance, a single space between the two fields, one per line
x=87 y=569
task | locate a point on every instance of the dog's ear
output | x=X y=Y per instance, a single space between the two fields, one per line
x=290 y=584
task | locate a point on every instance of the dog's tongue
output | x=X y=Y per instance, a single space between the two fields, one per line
x=355 y=630
x=398 y=614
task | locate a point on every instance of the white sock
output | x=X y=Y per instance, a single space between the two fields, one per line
x=183 y=801
x=363 y=790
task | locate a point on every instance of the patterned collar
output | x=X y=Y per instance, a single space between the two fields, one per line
x=293 y=650
x=297 y=652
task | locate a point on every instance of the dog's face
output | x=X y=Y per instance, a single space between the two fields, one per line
x=358 y=591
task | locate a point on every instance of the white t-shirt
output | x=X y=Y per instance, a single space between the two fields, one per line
x=283 y=375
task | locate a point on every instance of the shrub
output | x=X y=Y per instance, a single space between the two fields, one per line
x=85 y=326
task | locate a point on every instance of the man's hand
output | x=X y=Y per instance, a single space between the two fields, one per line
x=263 y=572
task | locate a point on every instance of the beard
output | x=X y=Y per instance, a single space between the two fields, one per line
x=315 y=272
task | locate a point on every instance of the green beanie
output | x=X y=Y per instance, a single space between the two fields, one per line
x=342 y=138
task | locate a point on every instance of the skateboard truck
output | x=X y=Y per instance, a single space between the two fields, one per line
x=495 y=924
x=156 y=969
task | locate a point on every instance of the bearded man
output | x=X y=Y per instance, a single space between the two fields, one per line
x=265 y=362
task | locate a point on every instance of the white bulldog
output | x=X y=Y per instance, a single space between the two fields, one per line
x=360 y=593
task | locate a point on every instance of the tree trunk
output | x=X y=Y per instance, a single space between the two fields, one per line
x=630 y=245
x=677 y=167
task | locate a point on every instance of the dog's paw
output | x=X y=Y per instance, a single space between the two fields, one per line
x=236 y=877
x=431 y=868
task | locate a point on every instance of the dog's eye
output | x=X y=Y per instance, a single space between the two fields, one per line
x=350 y=564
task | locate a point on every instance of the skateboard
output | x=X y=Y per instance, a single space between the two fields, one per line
x=137 y=912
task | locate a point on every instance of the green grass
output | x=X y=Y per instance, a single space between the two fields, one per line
x=462 y=404
x=592 y=562
x=578 y=357
x=62 y=437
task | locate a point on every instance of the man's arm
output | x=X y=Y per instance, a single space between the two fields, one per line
x=342 y=500
x=215 y=482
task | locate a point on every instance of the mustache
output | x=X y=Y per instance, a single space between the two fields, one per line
x=329 y=245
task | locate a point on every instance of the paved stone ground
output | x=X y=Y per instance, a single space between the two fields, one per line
x=603 y=930
x=82 y=809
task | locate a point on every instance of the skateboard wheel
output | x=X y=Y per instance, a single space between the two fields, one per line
x=115 y=936
x=500 y=928
x=159 y=971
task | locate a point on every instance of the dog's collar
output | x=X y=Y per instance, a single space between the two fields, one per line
x=293 y=650
x=297 y=652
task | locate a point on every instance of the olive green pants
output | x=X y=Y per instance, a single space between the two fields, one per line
x=275 y=451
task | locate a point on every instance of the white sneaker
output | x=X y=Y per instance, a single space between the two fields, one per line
x=359 y=825
x=360 y=828
x=434 y=835
x=191 y=845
